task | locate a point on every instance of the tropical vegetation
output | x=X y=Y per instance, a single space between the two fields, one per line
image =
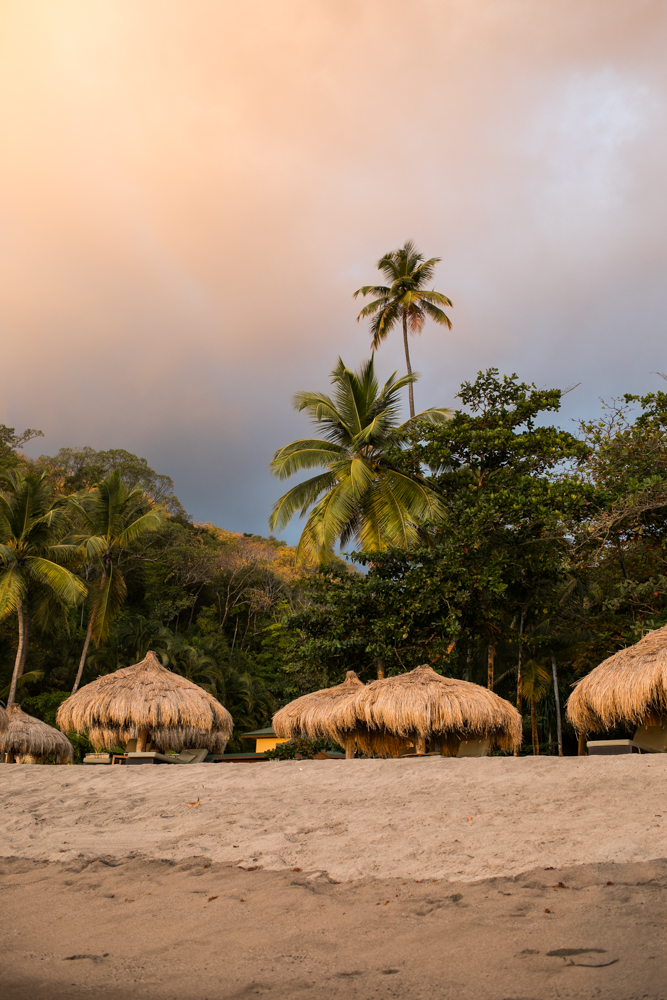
x=488 y=541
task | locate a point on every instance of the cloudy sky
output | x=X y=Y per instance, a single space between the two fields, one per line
x=191 y=190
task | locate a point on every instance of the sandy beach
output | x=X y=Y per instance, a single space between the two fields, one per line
x=526 y=878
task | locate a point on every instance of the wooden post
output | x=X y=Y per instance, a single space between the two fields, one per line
x=350 y=747
x=582 y=751
x=142 y=739
x=381 y=668
x=420 y=745
x=519 y=672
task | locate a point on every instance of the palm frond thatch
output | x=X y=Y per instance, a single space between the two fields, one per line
x=316 y=714
x=393 y=712
x=628 y=687
x=4 y=721
x=26 y=736
x=119 y=706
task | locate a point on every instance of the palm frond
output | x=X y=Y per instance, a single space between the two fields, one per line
x=434 y=415
x=298 y=499
x=65 y=585
x=107 y=597
x=12 y=590
x=301 y=455
x=151 y=521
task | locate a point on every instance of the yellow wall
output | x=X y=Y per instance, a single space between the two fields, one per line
x=267 y=743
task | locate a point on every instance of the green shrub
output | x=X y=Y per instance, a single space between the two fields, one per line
x=301 y=748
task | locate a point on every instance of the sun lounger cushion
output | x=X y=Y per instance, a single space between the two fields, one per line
x=97 y=758
x=597 y=748
x=652 y=739
x=152 y=757
x=195 y=756
x=474 y=748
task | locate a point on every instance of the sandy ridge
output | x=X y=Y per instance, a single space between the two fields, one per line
x=393 y=818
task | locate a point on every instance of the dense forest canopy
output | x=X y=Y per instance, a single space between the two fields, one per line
x=547 y=555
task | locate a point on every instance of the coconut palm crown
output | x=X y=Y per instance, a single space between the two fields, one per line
x=404 y=299
x=109 y=520
x=360 y=494
x=32 y=555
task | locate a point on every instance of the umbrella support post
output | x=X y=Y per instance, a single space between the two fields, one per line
x=350 y=748
x=581 y=750
x=420 y=746
x=142 y=740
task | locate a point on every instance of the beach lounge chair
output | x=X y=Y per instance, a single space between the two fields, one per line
x=153 y=757
x=601 y=748
x=97 y=758
x=651 y=739
x=474 y=748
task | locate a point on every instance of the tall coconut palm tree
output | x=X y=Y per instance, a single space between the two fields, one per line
x=404 y=300
x=32 y=554
x=110 y=519
x=361 y=494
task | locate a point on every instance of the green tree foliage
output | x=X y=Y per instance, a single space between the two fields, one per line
x=11 y=444
x=362 y=493
x=75 y=469
x=547 y=555
x=404 y=300
x=494 y=561
x=109 y=521
x=32 y=554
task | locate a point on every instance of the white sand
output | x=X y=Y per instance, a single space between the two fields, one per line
x=403 y=818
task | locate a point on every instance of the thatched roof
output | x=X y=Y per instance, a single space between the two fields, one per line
x=316 y=714
x=147 y=696
x=4 y=721
x=27 y=736
x=390 y=713
x=630 y=687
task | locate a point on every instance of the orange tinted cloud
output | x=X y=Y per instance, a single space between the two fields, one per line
x=192 y=189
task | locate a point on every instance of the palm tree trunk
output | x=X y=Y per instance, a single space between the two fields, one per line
x=19 y=662
x=533 y=726
x=411 y=397
x=519 y=673
x=491 y=663
x=84 y=654
x=559 y=727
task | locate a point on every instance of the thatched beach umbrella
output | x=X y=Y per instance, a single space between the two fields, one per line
x=316 y=714
x=4 y=721
x=147 y=701
x=421 y=705
x=26 y=736
x=628 y=687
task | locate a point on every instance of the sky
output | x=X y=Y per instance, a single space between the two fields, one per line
x=192 y=190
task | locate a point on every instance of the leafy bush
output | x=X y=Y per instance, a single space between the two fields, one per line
x=301 y=748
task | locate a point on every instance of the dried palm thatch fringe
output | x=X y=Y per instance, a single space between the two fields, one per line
x=147 y=698
x=315 y=714
x=630 y=687
x=4 y=721
x=26 y=736
x=394 y=712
